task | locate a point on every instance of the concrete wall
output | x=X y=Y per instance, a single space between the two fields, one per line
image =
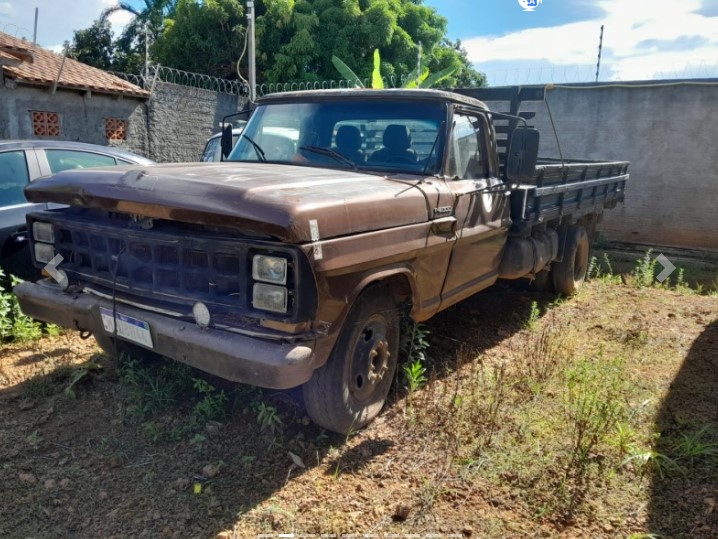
x=171 y=126
x=182 y=118
x=82 y=115
x=670 y=135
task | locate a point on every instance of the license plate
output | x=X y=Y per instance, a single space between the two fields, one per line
x=128 y=327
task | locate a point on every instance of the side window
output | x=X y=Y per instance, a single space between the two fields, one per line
x=466 y=161
x=13 y=178
x=60 y=160
x=211 y=150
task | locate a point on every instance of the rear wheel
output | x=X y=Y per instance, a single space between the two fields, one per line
x=570 y=273
x=350 y=390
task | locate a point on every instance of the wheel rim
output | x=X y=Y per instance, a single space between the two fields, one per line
x=370 y=360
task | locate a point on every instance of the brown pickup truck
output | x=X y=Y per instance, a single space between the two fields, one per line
x=292 y=262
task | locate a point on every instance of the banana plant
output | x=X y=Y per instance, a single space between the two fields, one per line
x=414 y=79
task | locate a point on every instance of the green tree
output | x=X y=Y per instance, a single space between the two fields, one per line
x=93 y=46
x=296 y=40
x=205 y=37
x=145 y=27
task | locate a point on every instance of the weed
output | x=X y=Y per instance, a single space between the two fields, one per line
x=539 y=354
x=645 y=270
x=414 y=343
x=622 y=437
x=150 y=390
x=39 y=386
x=152 y=431
x=13 y=323
x=34 y=439
x=77 y=375
x=268 y=419
x=695 y=445
x=651 y=461
x=415 y=373
x=198 y=441
x=593 y=407
x=603 y=269
x=533 y=318
x=212 y=404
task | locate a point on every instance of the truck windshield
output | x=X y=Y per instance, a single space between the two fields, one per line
x=369 y=134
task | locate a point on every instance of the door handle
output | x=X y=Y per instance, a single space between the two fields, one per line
x=443 y=226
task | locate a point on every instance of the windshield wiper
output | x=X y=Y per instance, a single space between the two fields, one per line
x=433 y=147
x=331 y=153
x=257 y=147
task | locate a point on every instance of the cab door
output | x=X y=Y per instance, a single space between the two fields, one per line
x=481 y=207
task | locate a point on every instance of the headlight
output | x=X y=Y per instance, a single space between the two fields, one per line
x=269 y=297
x=270 y=269
x=44 y=252
x=43 y=232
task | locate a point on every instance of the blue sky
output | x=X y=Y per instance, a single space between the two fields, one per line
x=557 y=42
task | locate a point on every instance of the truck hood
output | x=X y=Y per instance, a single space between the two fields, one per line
x=258 y=198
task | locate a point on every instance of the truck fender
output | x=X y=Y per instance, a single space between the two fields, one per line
x=400 y=281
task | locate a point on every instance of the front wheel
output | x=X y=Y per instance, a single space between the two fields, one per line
x=350 y=390
x=569 y=274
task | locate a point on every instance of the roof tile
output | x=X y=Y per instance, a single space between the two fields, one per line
x=46 y=65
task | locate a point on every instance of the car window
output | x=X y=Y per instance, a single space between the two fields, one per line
x=66 y=159
x=13 y=178
x=211 y=150
x=465 y=159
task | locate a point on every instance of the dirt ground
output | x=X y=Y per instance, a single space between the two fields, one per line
x=79 y=462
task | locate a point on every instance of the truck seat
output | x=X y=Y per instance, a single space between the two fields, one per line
x=397 y=146
x=349 y=141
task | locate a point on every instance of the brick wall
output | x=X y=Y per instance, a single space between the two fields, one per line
x=82 y=115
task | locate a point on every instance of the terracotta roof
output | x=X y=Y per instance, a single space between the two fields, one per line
x=41 y=67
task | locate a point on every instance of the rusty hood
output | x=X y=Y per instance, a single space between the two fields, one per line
x=257 y=198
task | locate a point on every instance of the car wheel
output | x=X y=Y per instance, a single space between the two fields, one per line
x=350 y=390
x=570 y=273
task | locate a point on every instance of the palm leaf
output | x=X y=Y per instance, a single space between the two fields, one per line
x=413 y=79
x=437 y=77
x=376 y=81
x=346 y=72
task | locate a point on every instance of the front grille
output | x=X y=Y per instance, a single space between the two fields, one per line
x=156 y=263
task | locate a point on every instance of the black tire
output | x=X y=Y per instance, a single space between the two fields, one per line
x=350 y=390
x=570 y=273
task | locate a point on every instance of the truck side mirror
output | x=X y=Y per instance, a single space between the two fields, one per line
x=226 y=141
x=522 y=155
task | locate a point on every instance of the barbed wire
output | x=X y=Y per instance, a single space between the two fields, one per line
x=170 y=75
x=6 y=29
x=505 y=77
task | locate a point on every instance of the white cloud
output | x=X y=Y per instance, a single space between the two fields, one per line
x=58 y=18
x=6 y=8
x=641 y=40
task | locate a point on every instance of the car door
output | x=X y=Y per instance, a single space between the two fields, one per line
x=480 y=206
x=18 y=167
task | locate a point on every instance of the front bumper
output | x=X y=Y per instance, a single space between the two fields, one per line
x=235 y=357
